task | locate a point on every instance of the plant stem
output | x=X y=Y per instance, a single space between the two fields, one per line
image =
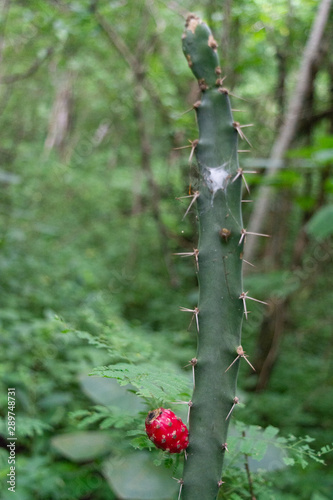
x=220 y=269
x=248 y=473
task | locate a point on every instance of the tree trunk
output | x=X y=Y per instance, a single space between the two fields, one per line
x=290 y=124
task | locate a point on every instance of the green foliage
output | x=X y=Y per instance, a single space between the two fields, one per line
x=158 y=384
x=321 y=224
x=252 y=443
x=85 y=276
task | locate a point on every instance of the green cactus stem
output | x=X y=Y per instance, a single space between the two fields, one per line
x=220 y=252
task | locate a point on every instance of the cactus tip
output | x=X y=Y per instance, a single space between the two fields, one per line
x=192 y=21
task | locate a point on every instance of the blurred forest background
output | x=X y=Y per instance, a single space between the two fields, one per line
x=92 y=102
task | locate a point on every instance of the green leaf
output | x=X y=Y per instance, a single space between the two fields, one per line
x=325 y=449
x=289 y=461
x=132 y=476
x=83 y=446
x=141 y=443
x=324 y=156
x=275 y=283
x=150 y=382
x=270 y=432
x=258 y=444
x=109 y=393
x=30 y=427
x=320 y=226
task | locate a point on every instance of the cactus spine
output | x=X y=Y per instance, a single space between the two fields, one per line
x=220 y=308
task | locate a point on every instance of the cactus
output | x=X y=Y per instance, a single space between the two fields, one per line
x=219 y=260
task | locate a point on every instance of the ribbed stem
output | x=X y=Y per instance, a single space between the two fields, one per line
x=220 y=270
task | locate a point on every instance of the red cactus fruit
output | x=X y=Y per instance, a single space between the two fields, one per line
x=166 y=430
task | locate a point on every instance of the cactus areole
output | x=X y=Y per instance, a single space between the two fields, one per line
x=219 y=268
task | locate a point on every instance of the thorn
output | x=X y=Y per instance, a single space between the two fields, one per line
x=240 y=110
x=182 y=114
x=220 y=81
x=225 y=447
x=185 y=147
x=240 y=354
x=196 y=105
x=219 y=483
x=241 y=134
x=180 y=482
x=235 y=402
x=195 y=253
x=195 y=312
x=192 y=363
x=223 y=90
x=246 y=201
x=243 y=150
x=240 y=173
x=194 y=196
x=249 y=263
x=244 y=296
x=187 y=196
x=189 y=403
x=192 y=145
x=244 y=233
x=234 y=361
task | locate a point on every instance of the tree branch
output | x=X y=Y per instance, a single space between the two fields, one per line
x=248 y=473
x=9 y=79
x=4 y=17
x=134 y=64
x=289 y=126
x=316 y=118
x=117 y=41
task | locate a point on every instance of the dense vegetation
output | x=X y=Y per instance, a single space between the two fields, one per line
x=92 y=101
